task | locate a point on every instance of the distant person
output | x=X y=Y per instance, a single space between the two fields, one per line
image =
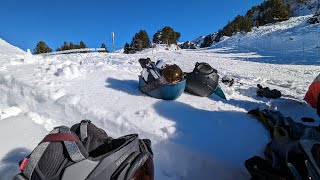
x=312 y=96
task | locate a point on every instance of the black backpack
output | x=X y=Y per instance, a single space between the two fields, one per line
x=203 y=80
x=86 y=152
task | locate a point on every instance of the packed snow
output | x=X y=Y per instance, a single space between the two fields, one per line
x=192 y=137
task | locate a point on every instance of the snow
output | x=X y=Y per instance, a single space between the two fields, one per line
x=193 y=137
x=289 y=42
x=301 y=8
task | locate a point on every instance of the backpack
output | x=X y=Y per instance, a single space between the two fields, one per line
x=293 y=153
x=85 y=151
x=203 y=80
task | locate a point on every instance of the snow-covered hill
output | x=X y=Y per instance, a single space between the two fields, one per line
x=289 y=42
x=303 y=7
x=193 y=137
x=9 y=53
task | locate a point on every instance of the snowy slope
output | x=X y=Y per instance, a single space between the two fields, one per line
x=8 y=49
x=193 y=137
x=9 y=54
x=303 y=7
x=290 y=42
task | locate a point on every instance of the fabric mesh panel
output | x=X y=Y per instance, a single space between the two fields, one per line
x=35 y=176
x=52 y=159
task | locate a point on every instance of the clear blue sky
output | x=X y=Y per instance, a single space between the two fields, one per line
x=25 y=22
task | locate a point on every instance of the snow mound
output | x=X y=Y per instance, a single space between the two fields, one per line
x=28 y=57
x=9 y=112
x=70 y=71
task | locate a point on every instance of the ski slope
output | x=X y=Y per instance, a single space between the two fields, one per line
x=289 y=42
x=193 y=137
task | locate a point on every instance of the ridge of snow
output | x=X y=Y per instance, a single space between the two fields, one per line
x=8 y=49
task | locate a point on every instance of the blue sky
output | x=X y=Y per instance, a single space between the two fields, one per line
x=25 y=22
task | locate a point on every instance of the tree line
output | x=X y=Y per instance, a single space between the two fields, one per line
x=42 y=47
x=139 y=42
x=141 y=39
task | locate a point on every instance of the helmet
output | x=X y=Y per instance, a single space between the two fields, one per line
x=173 y=73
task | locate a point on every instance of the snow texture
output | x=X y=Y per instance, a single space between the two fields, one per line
x=192 y=137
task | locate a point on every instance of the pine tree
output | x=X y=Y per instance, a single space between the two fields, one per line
x=207 y=42
x=127 y=49
x=42 y=47
x=65 y=46
x=82 y=45
x=71 y=45
x=166 y=36
x=140 y=41
x=105 y=48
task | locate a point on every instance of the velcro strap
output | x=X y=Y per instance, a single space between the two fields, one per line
x=61 y=137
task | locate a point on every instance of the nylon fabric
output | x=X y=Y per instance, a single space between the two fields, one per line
x=72 y=148
x=83 y=130
x=35 y=156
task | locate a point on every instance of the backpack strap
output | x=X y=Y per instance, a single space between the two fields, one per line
x=84 y=129
x=205 y=68
x=71 y=146
x=61 y=133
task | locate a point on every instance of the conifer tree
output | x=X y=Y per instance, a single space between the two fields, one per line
x=207 y=42
x=65 y=46
x=166 y=36
x=140 y=41
x=126 y=48
x=71 y=45
x=82 y=45
x=105 y=48
x=42 y=47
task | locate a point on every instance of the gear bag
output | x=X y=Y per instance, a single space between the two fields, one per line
x=86 y=152
x=203 y=80
x=293 y=153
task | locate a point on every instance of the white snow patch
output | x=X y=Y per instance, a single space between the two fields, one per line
x=28 y=58
x=70 y=71
x=9 y=112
